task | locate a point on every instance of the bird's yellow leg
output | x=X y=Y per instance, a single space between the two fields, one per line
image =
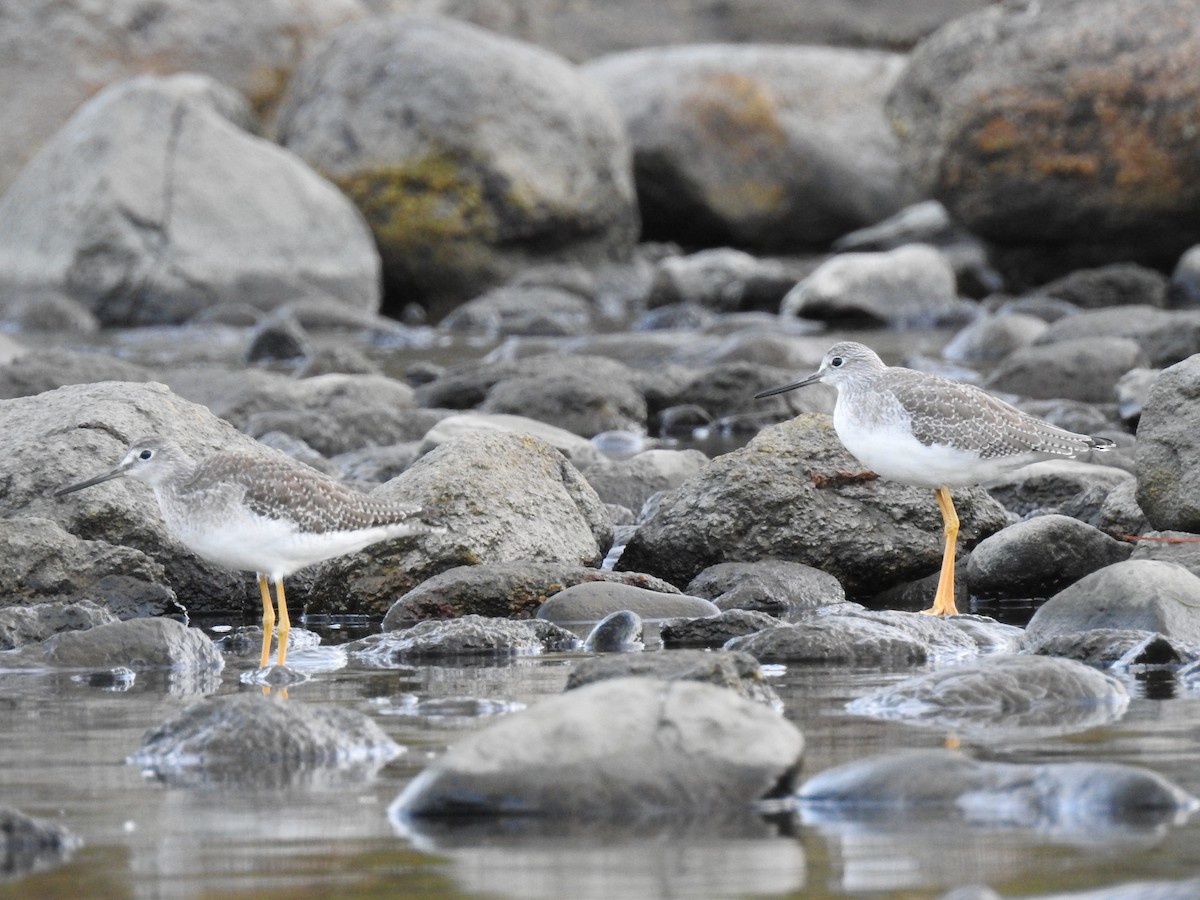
x=285 y=624
x=268 y=619
x=943 y=601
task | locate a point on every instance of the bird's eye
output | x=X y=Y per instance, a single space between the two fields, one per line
x=146 y=454
x=836 y=362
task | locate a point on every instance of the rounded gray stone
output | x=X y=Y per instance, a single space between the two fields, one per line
x=592 y=601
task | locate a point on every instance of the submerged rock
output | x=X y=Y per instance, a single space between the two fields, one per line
x=617 y=632
x=265 y=741
x=31 y=845
x=739 y=672
x=593 y=600
x=619 y=749
x=714 y=631
x=470 y=635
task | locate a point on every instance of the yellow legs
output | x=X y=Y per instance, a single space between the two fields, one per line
x=943 y=601
x=285 y=624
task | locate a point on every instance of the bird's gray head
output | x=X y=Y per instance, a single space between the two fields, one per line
x=150 y=459
x=845 y=361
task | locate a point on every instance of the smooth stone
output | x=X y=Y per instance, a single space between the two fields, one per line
x=1084 y=369
x=1121 y=284
x=1055 y=483
x=779 y=587
x=714 y=631
x=266 y=742
x=467 y=636
x=720 y=279
x=592 y=601
x=1165 y=336
x=618 y=632
x=740 y=672
x=137 y=644
x=821 y=643
x=33 y=373
x=631 y=482
x=573 y=446
x=577 y=402
x=1138 y=594
x=626 y=747
x=1051 y=695
x=990 y=338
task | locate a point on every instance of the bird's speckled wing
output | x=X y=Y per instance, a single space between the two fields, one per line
x=964 y=416
x=283 y=490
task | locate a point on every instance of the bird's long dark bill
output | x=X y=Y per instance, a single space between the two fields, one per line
x=811 y=379
x=115 y=473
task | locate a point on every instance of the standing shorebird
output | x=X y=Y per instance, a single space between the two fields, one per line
x=255 y=514
x=920 y=429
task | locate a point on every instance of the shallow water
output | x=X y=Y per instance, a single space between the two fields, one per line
x=65 y=742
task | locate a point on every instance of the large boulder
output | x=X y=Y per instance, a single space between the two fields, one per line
x=1168 y=455
x=795 y=493
x=153 y=203
x=763 y=146
x=54 y=55
x=470 y=154
x=1060 y=132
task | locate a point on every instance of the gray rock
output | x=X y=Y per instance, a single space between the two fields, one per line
x=622 y=748
x=1185 y=279
x=1027 y=189
x=1055 y=483
x=714 y=631
x=502 y=496
x=776 y=586
x=573 y=446
x=721 y=390
x=1179 y=547
x=1077 y=798
x=1039 y=557
x=720 y=280
x=193 y=212
x=1116 y=648
x=33 y=373
x=591 y=601
x=631 y=482
x=1120 y=516
x=1139 y=594
x=505 y=589
x=32 y=845
x=1165 y=336
x=338 y=359
x=442 y=163
x=522 y=310
x=1133 y=388
x=739 y=672
x=138 y=644
x=279 y=337
x=1167 y=454
x=20 y=625
x=805 y=118
x=746 y=505
x=253 y=740
x=1117 y=284
x=991 y=337
x=855 y=643
x=379 y=464
x=1082 y=369
x=45 y=309
x=466 y=636
x=618 y=632
x=909 y=286
x=1019 y=692
x=576 y=402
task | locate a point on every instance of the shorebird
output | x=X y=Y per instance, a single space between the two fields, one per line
x=260 y=514
x=921 y=429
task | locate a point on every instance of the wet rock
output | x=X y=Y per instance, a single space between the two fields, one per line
x=577 y=402
x=1165 y=336
x=266 y=742
x=858 y=643
x=467 y=636
x=1046 y=694
x=1082 y=369
x=631 y=482
x=745 y=506
x=1139 y=594
x=31 y=845
x=61 y=436
x=795 y=111
x=1039 y=557
x=909 y=286
x=33 y=373
x=1077 y=798
x=440 y=105
x=739 y=672
x=1168 y=456
x=137 y=644
x=618 y=632
x=573 y=446
x=990 y=338
x=522 y=310
x=776 y=586
x=620 y=748
x=20 y=625
x=1024 y=188
x=1055 y=483
x=714 y=631
x=593 y=600
x=42 y=560
x=720 y=280
x=1116 y=648
x=501 y=496
x=195 y=211
x=504 y=589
